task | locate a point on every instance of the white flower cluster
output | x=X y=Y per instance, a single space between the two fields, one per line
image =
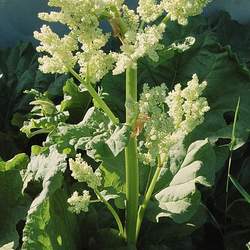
x=82 y=172
x=83 y=45
x=171 y=117
x=180 y=10
x=83 y=20
x=149 y=10
x=60 y=51
x=186 y=107
x=158 y=126
x=79 y=203
x=88 y=64
x=144 y=43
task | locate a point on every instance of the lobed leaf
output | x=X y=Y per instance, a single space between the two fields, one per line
x=180 y=198
x=13 y=204
x=95 y=134
x=49 y=224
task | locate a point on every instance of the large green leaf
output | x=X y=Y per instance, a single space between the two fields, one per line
x=13 y=204
x=95 y=134
x=115 y=87
x=76 y=100
x=49 y=224
x=180 y=198
x=230 y=32
x=47 y=167
x=168 y=231
x=103 y=142
x=113 y=172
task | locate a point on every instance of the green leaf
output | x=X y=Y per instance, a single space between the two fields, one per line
x=95 y=134
x=113 y=173
x=13 y=204
x=47 y=167
x=230 y=32
x=242 y=191
x=49 y=224
x=169 y=231
x=118 y=140
x=18 y=162
x=115 y=87
x=180 y=198
x=44 y=117
x=19 y=70
x=55 y=89
x=102 y=141
x=76 y=100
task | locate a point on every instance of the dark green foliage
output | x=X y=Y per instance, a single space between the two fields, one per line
x=19 y=70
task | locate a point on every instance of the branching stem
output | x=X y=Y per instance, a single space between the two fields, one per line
x=96 y=97
x=146 y=200
x=113 y=212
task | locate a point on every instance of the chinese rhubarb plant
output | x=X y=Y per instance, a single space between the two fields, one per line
x=138 y=163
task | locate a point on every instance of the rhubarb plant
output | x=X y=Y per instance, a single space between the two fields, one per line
x=149 y=142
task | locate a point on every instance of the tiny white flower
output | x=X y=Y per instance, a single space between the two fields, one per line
x=146 y=43
x=180 y=10
x=79 y=203
x=82 y=172
x=149 y=10
x=172 y=117
x=60 y=51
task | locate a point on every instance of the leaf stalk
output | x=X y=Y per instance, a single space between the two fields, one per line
x=96 y=97
x=131 y=158
x=146 y=200
x=113 y=212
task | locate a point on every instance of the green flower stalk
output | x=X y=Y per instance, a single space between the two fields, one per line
x=131 y=158
x=83 y=172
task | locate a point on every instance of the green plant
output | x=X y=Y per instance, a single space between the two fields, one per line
x=242 y=191
x=19 y=71
x=158 y=121
x=41 y=215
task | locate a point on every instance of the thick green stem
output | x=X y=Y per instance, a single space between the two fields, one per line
x=96 y=97
x=113 y=212
x=131 y=158
x=144 y=205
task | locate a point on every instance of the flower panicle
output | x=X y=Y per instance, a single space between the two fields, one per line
x=172 y=117
x=84 y=45
x=83 y=172
x=79 y=203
